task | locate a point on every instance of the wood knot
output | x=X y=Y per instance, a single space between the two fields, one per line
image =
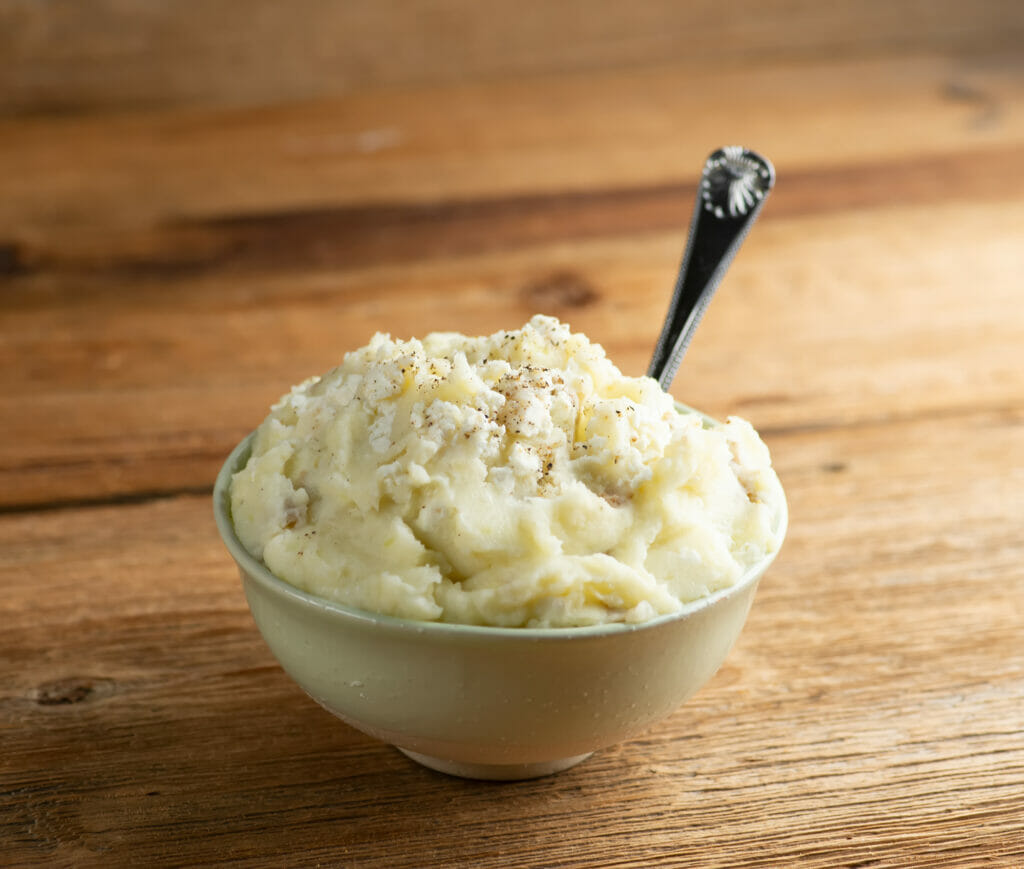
x=62 y=692
x=563 y=289
x=12 y=259
x=833 y=467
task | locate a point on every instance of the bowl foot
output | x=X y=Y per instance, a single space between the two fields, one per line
x=494 y=771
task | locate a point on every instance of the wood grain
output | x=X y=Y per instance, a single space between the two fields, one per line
x=93 y=54
x=486 y=140
x=870 y=712
x=149 y=394
x=172 y=261
x=138 y=324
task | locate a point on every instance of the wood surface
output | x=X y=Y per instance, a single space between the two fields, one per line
x=75 y=55
x=167 y=272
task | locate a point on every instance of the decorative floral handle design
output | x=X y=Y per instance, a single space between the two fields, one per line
x=734 y=181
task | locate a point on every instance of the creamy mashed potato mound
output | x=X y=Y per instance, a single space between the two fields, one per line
x=513 y=480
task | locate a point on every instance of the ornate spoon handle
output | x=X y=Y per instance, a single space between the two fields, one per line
x=733 y=187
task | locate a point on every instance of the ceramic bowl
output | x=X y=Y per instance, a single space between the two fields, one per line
x=486 y=702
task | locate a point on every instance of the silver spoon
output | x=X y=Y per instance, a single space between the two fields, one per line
x=733 y=187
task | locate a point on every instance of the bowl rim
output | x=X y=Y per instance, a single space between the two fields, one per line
x=259 y=572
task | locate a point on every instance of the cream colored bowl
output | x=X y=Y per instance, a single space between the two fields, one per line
x=484 y=702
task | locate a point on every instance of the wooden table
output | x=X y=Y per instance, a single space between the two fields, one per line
x=167 y=271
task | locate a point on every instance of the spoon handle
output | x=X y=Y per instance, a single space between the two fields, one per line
x=733 y=187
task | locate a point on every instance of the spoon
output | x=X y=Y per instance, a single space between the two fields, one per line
x=733 y=187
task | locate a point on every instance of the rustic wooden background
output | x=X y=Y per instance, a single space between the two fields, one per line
x=202 y=203
x=98 y=54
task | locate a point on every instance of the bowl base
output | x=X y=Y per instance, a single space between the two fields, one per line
x=494 y=771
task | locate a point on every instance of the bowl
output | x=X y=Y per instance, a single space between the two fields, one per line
x=486 y=702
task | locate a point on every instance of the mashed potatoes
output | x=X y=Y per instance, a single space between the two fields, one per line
x=515 y=480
